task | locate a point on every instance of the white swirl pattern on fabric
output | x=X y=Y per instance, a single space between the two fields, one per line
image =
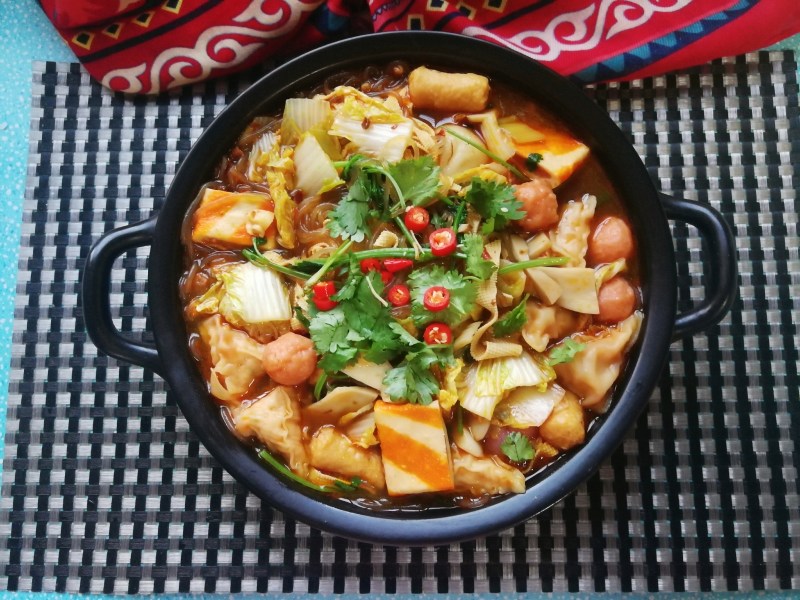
x=547 y=44
x=216 y=47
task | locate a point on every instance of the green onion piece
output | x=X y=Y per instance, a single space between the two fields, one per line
x=424 y=254
x=489 y=153
x=326 y=266
x=459 y=419
x=261 y=261
x=338 y=487
x=320 y=385
x=267 y=457
x=409 y=236
x=547 y=261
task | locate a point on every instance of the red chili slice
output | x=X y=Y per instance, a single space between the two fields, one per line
x=370 y=264
x=394 y=265
x=417 y=219
x=322 y=293
x=443 y=241
x=436 y=298
x=386 y=277
x=399 y=295
x=438 y=333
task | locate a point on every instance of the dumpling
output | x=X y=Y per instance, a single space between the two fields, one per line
x=571 y=237
x=594 y=369
x=275 y=420
x=235 y=359
x=333 y=452
x=485 y=475
x=547 y=323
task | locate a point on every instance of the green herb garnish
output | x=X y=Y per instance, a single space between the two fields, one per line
x=412 y=380
x=513 y=320
x=495 y=202
x=564 y=352
x=517 y=447
x=533 y=160
x=477 y=265
x=337 y=487
x=462 y=295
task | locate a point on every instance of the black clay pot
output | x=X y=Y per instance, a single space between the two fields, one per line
x=648 y=211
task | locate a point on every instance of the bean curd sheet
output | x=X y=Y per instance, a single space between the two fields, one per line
x=410 y=288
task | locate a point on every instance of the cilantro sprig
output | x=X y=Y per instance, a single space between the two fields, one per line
x=413 y=380
x=513 y=320
x=417 y=180
x=381 y=191
x=462 y=295
x=360 y=324
x=565 y=352
x=476 y=264
x=517 y=447
x=495 y=202
x=349 y=220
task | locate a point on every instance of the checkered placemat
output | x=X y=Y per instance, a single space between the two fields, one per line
x=106 y=490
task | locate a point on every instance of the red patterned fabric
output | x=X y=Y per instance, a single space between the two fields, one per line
x=146 y=46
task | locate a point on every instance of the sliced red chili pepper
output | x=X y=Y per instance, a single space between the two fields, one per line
x=436 y=298
x=443 y=241
x=322 y=293
x=370 y=264
x=399 y=295
x=417 y=219
x=386 y=277
x=438 y=333
x=393 y=265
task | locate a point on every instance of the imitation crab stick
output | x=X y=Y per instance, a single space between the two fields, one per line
x=414 y=448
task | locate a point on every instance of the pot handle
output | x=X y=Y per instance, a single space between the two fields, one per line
x=95 y=291
x=722 y=287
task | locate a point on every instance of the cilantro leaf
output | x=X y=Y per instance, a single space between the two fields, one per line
x=349 y=164
x=417 y=178
x=350 y=286
x=330 y=333
x=462 y=295
x=533 y=160
x=412 y=380
x=564 y=352
x=360 y=324
x=476 y=264
x=495 y=202
x=517 y=447
x=349 y=218
x=513 y=320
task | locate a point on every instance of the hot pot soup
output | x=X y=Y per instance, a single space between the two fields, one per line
x=410 y=287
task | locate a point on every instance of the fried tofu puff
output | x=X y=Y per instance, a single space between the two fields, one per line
x=453 y=92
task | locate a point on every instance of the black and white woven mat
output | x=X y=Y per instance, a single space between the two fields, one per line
x=106 y=490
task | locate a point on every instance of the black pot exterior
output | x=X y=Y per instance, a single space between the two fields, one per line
x=588 y=122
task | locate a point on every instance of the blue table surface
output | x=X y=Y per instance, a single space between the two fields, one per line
x=26 y=36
